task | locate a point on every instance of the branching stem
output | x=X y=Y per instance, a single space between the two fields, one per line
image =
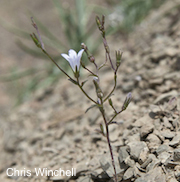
x=115 y=82
x=84 y=92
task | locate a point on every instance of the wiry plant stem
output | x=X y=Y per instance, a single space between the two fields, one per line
x=109 y=143
x=84 y=92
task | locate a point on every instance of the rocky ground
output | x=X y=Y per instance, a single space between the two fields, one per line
x=52 y=131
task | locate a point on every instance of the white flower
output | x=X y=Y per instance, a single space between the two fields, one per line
x=73 y=58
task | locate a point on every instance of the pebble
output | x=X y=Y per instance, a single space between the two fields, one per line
x=135 y=148
x=129 y=173
x=162 y=148
x=172 y=180
x=146 y=129
x=106 y=165
x=175 y=141
x=163 y=157
x=168 y=134
x=152 y=138
x=177 y=154
x=84 y=179
x=123 y=154
x=177 y=172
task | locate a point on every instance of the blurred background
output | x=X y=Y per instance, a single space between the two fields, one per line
x=63 y=25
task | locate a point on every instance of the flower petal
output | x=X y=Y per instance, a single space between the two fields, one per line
x=73 y=58
x=78 y=59
x=65 y=56
x=80 y=54
x=69 y=59
x=72 y=54
x=72 y=63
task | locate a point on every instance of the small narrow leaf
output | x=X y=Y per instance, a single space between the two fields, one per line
x=102 y=129
x=113 y=122
x=94 y=105
x=73 y=81
x=83 y=83
x=110 y=102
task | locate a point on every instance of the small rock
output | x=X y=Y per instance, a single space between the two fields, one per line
x=34 y=138
x=131 y=138
x=140 y=122
x=172 y=180
x=146 y=129
x=171 y=51
x=143 y=155
x=140 y=180
x=177 y=172
x=152 y=147
x=99 y=174
x=81 y=168
x=163 y=157
x=106 y=165
x=147 y=162
x=152 y=138
x=175 y=141
x=123 y=154
x=155 y=162
x=84 y=179
x=175 y=123
x=158 y=134
x=137 y=172
x=166 y=123
x=153 y=142
x=60 y=133
x=78 y=137
x=170 y=164
x=129 y=162
x=168 y=134
x=177 y=154
x=58 y=178
x=129 y=173
x=135 y=148
x=155 y=175
x=156 y=81
x=162 y=148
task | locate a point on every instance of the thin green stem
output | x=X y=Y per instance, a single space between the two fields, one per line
x=86 y=93
x=115 y=116
x=90 y=71
x=114 y=109
x=56 y=64
x=115 y=80
x=111 y=61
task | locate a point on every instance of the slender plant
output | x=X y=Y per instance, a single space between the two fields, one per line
x=75 y=63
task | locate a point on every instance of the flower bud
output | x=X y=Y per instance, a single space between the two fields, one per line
x=92 y=59
x=98 y=21
x=90 y=56
x=118 y=57
x=35 y=39
x=98 y=89
x=84 y=46
x=103 y=20
x=127 y=101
